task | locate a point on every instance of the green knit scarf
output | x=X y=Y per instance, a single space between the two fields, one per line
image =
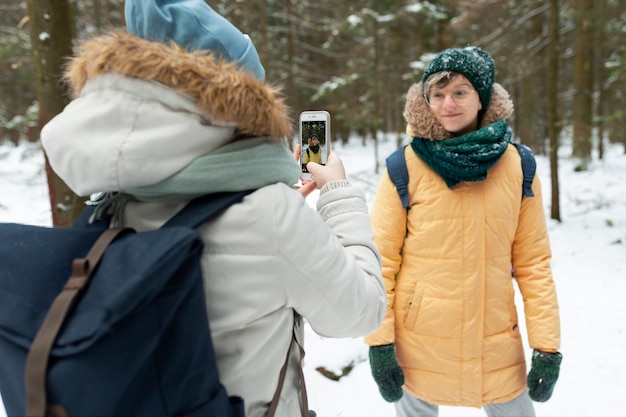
x=465 y=158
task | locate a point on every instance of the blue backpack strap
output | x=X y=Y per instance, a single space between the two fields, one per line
x=205 y=208
x=399 y=175
x=196 y=212
x=529 y=166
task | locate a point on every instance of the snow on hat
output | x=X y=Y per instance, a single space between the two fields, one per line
x=474 y=63
x=194 y=25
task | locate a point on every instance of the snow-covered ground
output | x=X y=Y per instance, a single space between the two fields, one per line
x=589 y=261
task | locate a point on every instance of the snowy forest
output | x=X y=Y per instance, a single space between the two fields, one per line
x=562 y=61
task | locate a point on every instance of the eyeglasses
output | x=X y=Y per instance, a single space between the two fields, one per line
x=460 y=96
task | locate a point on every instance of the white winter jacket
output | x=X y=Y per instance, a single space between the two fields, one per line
x=265 y=258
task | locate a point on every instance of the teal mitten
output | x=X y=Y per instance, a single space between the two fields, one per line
x=544 y=371
x=386 y=371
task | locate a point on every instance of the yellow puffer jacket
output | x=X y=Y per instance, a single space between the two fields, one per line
x=447 y=266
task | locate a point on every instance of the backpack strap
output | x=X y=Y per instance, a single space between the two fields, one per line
x=196 y=212
x=37 y=359
x=205 y=208
x=399 y=174
x=304 y=402
x=529 y=167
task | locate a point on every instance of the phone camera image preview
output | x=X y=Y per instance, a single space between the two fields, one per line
x=313 y=145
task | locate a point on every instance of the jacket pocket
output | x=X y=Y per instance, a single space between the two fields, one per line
x=514 y=323
x=414 y=307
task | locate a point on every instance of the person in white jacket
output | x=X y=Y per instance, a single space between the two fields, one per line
x=155 y=122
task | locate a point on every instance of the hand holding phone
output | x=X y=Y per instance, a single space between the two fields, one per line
x=314 y=136
x=333 y=170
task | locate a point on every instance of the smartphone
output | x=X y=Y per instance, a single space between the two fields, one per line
x=314 y=139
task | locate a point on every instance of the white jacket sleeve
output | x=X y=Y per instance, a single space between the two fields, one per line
x=340 y=291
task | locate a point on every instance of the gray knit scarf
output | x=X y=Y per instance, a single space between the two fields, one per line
x=467 y=157
x=245 y=164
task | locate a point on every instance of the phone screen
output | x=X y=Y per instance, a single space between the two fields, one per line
x=313 y=142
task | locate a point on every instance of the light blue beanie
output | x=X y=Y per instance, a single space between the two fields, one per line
x=194 y=25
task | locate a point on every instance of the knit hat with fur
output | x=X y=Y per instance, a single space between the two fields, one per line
x=193 y=25
x=474 y=63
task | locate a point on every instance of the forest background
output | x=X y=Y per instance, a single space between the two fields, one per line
x=562 y=61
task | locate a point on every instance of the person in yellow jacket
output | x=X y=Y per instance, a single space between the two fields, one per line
x=450 y=335
x=313 y=152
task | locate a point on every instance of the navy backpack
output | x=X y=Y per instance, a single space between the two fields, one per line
x=109 y=323
x=399 y=175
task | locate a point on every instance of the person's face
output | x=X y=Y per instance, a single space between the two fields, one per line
x=314 y=141
x=456 y=106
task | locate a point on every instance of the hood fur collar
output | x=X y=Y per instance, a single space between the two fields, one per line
x=222 y=91
x=422 y=122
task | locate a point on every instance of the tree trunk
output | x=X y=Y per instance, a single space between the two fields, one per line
x=601 y=19
x=552 y=107
x=583 y=83
x=51 y=34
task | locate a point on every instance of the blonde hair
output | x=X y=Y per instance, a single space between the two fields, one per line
x=439 y=79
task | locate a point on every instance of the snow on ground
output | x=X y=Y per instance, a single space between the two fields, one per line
x=589 y=248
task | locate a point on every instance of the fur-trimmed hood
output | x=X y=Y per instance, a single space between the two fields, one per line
x=143 y=111
x=222 y=91
x=422 y=122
